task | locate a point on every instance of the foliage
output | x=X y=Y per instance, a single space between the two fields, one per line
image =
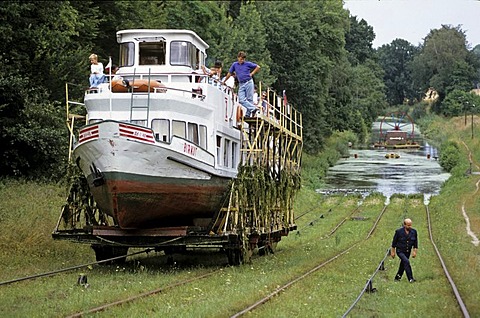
x=313 y=50
x=444 y=62
x=38 y=54
x=459 y=102
x=394 y=59
x=449 y=156
x=315 y=166
x=358 y=41
x=306 y=40
x=248 y=34
x=32 y=137
x=419 y=111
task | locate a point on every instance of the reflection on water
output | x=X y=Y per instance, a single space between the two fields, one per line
x=412 y=172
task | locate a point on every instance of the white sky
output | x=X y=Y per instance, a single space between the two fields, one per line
x=412 y=20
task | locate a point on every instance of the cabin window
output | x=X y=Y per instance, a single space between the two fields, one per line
x=203 y=136
x=234 y=161
x=178 y=128
x=193 y=133
x=183 y=53
x=219 y=150
x=161 y=129
x=152 y=53
x=127 y=54
x=226 y=152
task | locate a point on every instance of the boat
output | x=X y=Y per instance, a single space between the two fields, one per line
x=164 y=153
x=162 y=147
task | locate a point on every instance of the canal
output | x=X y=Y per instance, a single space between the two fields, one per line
x=389 y=171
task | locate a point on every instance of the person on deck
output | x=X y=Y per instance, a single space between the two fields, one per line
x=244 y=71
x=215 y=72
x=405 y=241
x=96 y=71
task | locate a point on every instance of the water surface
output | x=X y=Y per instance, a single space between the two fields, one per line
x=414 y=171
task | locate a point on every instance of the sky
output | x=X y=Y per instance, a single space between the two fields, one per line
x=412 y=20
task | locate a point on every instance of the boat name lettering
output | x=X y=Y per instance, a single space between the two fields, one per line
x=190 y=149
x=140 y=134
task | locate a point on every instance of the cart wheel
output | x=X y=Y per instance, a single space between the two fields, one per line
x=235 y=256
x=267 y=247
x=103 y=252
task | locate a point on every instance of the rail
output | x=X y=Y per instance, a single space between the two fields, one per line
x=51 y=273
x=368 y=285
x=460 y=302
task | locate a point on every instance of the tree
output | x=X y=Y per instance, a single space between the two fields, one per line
x=394 y=59
x=39 y=53
x=358 y=41
x=459 y=102
x=444 y=62
x=306 y=39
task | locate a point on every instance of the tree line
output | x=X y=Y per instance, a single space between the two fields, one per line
x=314 y=50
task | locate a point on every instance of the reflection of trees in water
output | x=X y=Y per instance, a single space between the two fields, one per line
x=411 y=173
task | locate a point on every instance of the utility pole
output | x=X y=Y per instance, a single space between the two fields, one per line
x=473 y=108
x=465 y=111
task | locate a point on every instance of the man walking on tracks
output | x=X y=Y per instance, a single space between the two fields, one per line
x=405 y=242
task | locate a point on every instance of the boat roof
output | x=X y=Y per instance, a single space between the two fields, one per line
x=140 y=35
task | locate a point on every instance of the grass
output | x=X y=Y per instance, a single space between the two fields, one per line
x=29 y=212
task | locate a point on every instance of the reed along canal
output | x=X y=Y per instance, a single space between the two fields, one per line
x=405 y=171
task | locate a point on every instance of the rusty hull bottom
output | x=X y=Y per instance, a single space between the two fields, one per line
x=142 y=202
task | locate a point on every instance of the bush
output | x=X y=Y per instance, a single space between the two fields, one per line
x=449 y=156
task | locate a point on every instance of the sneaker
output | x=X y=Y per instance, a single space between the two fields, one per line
x=398 y=278
x=412 y=280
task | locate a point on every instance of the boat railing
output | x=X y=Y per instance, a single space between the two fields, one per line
x=167 y=79
x=72 y=118
x=277 y=111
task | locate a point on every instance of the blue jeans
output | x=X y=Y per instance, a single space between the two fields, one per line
x=404 y=265
x=245 y=96
x=96 y=79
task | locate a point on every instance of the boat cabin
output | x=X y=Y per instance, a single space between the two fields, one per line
x=160 y=50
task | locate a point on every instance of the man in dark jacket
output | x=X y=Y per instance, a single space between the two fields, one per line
x=405 y=241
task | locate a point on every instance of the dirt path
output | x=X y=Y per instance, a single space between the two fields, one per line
x=475 y=240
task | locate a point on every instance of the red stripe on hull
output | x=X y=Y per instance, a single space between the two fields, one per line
x=147 y=131
x=93 y=136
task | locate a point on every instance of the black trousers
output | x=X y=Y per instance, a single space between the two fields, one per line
x=404 y=264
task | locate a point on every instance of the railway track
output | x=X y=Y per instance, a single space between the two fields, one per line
x=142 y=295
x=313 y=270
x=458 y=297
x=258 y=304
x=184 y=285
x=139 y=296
x=71 y=268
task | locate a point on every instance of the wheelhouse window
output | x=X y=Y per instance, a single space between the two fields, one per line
x=152 y=53
x=161 y=129
x=178 y=128
x=127 y=54
x=183 y=53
